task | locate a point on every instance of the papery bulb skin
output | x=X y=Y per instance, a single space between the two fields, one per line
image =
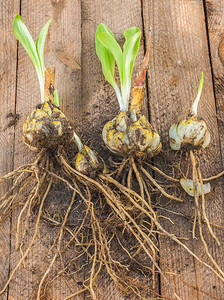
x=46 y=127
x=126 y=137
x=88 y=162
x=189 y=134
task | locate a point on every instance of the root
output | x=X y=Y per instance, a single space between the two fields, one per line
x=151 y=254
x=162 y=173
x=196 y=198
x=33 y=238
x=148 y=211
x=203 y=208
x=140 y=174
x=23 y=177
x=58 y=245
x=214 y=177
x=96 y=244
x=143 y=206
x=31 y=200
x=139 y=179
x=171 y=197
x=103 y=254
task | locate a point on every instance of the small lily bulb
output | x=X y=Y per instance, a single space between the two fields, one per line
x=87 y=161
x=188 y=186
x=191 y=133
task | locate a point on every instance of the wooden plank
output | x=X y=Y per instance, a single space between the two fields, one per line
x=8 y=63
x=63 y=50
x=179 y=55
x=215 y=21
x=99 y=103
x=175 y=66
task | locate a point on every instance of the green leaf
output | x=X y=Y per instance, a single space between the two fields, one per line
x=200 y=85
x=107 y=60
x=40 y=43
x=125 y=60
x=130 y=50
x=105 y=56
x=111 y=44
x=130 y=32
x=23 y=36
x=194 y=107
x=56 y=97
x=103 y=28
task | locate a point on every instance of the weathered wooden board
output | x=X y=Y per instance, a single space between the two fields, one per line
x=179 y=55
x=8 y=65
x=215 y=27
x=63 y=50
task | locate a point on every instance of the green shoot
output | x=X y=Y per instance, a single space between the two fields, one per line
x=78 y=141
x=109 y=51
x=194 y=106
x=107 y=60
x=56 y=98
x=35 y=52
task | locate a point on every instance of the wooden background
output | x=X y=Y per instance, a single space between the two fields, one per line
x=187 y=38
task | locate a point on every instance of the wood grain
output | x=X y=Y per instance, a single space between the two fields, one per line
x=215 y=25
x=179 y=55
x=64 y=36
x=8 y=63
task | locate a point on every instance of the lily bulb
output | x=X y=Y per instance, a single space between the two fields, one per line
x=125 y=137
x=46 y=127
x=192 y=132
x=87 y=161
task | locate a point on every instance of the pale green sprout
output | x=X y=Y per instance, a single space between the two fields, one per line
x=109 y=51
x=78 y=141
x=56 y=97
x=35 y=51
x=194 y=107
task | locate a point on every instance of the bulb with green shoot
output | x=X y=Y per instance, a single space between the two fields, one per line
x=191 y=135
x=47 y=126
x=48 y=132
x=129 y=133
x=192 y=132
x=188 y=135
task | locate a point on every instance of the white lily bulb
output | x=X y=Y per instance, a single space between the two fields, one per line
x=192 y=132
